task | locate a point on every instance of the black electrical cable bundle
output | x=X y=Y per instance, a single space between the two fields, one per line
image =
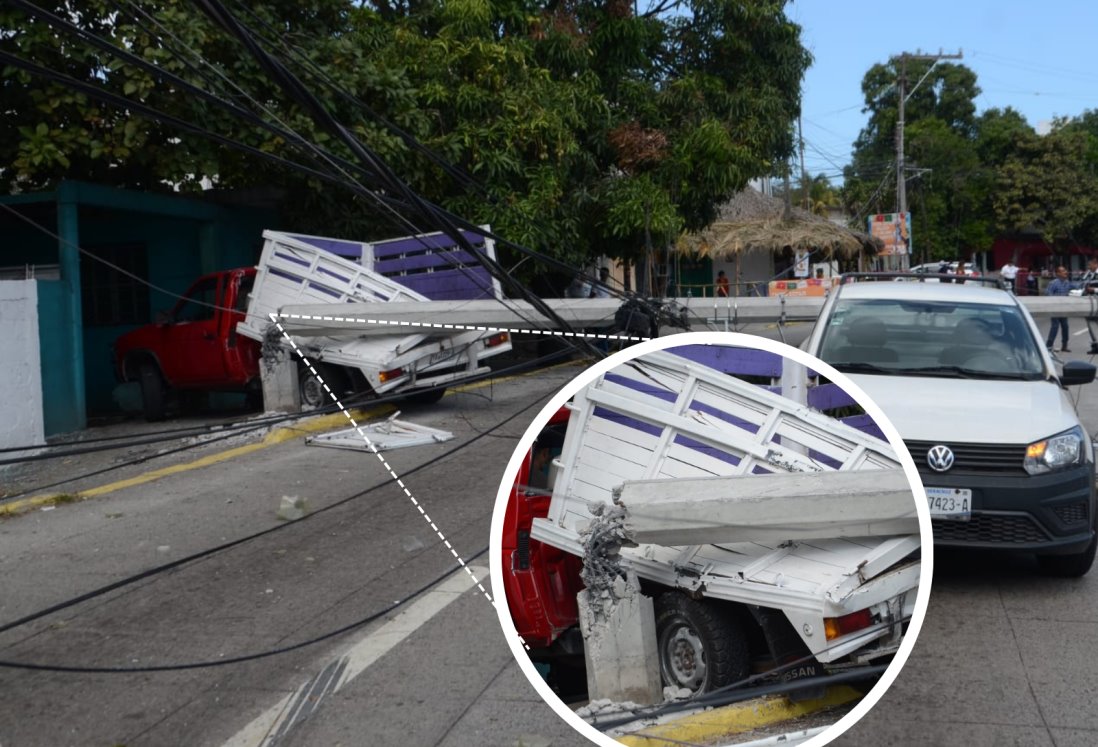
x=247 y=426
x=157 y=570
x=435 y=214
x=736 y=696
x=718 y=696
x=243 y=657
x=318 y=155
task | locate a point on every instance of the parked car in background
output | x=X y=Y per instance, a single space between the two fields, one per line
x=961 y=370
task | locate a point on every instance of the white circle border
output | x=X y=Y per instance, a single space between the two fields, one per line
x=725 y=339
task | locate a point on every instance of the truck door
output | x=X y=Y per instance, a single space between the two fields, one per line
x=192 y=351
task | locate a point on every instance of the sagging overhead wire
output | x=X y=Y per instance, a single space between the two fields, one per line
x=226 y=661
x=431 y=214
x=249 y=426
x=202 y=554
x=315 y=153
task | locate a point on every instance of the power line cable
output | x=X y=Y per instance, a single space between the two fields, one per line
x=157 y=570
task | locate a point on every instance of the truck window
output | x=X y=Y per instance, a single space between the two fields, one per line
x=199 y=303
x=246 y=284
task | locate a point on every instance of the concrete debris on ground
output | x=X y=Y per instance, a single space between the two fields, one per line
x=605 y=706
x=292 y=508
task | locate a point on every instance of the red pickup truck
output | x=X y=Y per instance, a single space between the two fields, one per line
x=195 y=346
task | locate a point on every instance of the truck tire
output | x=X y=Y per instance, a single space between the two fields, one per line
x=701 y=647
x=152 y=392
x=313 y=393
x=1069 y=566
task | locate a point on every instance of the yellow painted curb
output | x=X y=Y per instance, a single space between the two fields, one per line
x=706 y=726
x=279 y=435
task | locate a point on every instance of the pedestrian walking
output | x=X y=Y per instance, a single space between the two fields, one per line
x=1060 y=286
x=1008 y=273
x=722 y=285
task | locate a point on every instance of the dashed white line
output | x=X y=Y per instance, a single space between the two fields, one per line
x=373 y=449
x=438 y=325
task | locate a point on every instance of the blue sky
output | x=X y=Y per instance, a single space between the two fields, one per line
x=1038 y=57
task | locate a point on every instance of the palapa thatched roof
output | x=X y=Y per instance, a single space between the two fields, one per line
x=751 y=221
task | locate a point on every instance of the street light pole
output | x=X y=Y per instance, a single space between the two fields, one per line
x=901 y=175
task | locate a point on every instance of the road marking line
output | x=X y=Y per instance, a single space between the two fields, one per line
x=278 y=720
x=436 y=325
x=373 y=450
x=279 y=435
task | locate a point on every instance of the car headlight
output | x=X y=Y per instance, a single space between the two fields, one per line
x=1056 y=453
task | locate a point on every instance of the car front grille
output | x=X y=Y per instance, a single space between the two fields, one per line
x=1002 y=529
x=973 y=457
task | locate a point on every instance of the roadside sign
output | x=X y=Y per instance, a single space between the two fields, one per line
x=894 y=231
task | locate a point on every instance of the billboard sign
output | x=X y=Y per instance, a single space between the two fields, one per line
x=893 y=230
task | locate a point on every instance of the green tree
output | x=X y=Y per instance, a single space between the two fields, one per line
x=1047 y=185
x=592 y=127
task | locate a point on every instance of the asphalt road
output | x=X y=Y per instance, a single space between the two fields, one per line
x=1006 y=656
x=439 y=675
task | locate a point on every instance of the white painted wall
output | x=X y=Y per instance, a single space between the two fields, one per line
x=20 y=365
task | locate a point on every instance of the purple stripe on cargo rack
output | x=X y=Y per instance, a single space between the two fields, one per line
x=828 y=397
x=422 y=262
x=335 y=275
x=640 y=425
x=711 y=451
x=824 y=459
x=325 y=289
x=732 y=360
x=352 y=249
x=652 y=390
x=292 y=258
x=865 y=424
x=738 y=422
x=420 y=243
x=448 y=286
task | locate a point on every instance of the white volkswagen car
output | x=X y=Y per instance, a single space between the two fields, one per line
x=963 y=374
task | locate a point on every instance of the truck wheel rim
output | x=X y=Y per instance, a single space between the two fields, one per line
x=684 y=658
x=312 y=393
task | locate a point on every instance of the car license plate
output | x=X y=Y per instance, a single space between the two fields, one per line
x=954 y=504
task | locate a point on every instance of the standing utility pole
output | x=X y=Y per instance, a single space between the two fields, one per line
x=901 y=85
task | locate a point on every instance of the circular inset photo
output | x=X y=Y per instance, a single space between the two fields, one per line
x=711 y=538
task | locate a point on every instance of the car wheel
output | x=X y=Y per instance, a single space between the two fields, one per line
x=1069 y=566
x=152 y=392
x=701 y=647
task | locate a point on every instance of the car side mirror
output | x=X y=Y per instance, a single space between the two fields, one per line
x=1077 y=372
x=163 y=317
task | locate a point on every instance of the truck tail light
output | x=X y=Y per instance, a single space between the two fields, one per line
x=840 y=626
x=394 y=373
x=496 y=339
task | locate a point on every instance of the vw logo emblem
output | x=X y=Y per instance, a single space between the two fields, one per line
x=940 y=458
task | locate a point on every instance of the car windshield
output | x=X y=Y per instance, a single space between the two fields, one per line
x=926 y=338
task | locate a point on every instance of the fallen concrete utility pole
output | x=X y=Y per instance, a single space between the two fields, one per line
x=663 y=418
x=370 y=319
x=768 y=508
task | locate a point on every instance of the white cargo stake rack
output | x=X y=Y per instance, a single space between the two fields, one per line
x=661 y=416
x=292 y=272
x=384 y=435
